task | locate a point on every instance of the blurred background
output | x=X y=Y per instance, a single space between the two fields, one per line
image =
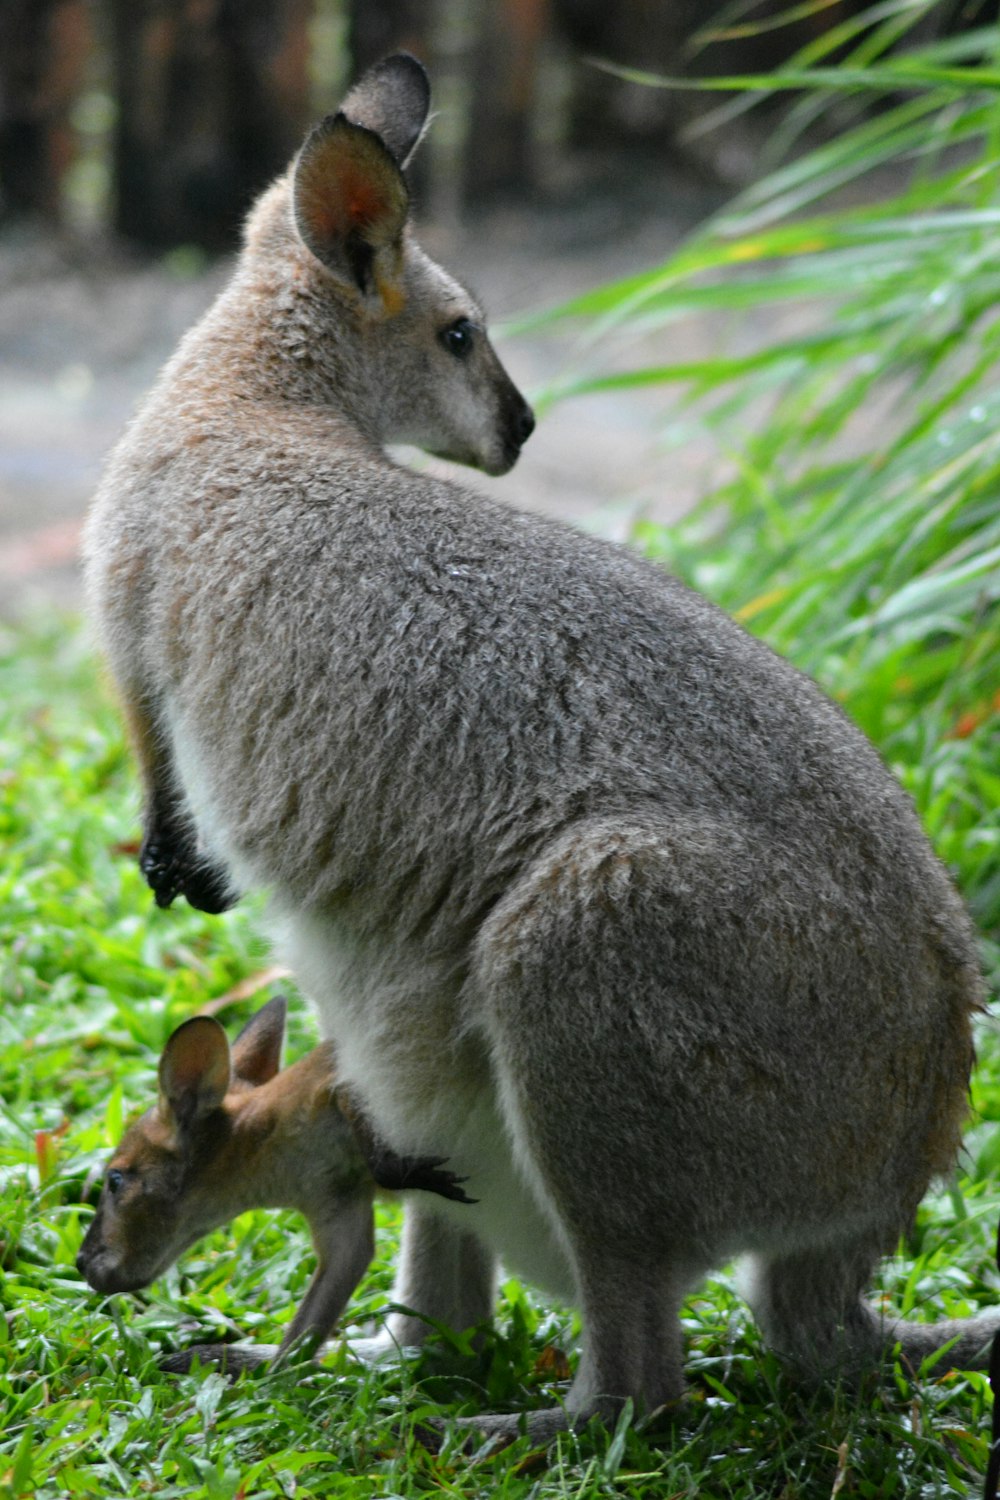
x=161 y=119
x=135 y=133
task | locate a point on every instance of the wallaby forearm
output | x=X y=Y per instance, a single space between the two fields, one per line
x=169 y=856
x=345 y=1243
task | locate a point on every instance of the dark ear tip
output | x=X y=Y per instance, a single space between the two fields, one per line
x=277 y=1006
x=341 y=124
x=329 y=125
x=197 y=1023
x=405 y=63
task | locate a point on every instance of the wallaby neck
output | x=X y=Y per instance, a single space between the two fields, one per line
x=291 y=1145
x=254 y=351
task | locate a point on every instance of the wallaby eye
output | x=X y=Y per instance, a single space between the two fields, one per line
x=458 y=337
x=114 y=1180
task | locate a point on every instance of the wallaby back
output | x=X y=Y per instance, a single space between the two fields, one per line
x=599 y=897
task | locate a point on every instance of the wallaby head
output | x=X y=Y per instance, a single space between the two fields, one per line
x=368 y=322
x=210 y=1148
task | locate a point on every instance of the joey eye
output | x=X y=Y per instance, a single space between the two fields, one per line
x=114 y=1180
x=458 y=337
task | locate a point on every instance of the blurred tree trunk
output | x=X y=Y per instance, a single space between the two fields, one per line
x=499 y=154
x=43 y=52
x=378 y=27
x=678 y=37
x=213 y=97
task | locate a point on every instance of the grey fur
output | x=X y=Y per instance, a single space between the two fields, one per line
x=599 y=898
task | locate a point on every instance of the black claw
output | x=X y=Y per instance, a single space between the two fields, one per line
x=161 y=872
x=426 y=1172
x=172 y=868
x=401 y=1173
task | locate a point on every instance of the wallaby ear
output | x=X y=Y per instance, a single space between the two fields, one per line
x=195 y=1072
x=256 y=1054
x=392 y=99
x=350 y=205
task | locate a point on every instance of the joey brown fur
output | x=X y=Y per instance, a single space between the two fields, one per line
x=598 y=898
x=233 y=1131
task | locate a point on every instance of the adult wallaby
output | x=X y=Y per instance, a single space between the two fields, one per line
x=598 y=898
x=233 y=1131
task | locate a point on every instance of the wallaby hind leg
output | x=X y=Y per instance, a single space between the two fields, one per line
x=445 y=1275
x=585 y=1094
x=631 y=1348
x=811 y=1308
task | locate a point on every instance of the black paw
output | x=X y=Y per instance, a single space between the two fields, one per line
x=207 y=888
x=162 y=869
x=401 y=1173
x=172 y=868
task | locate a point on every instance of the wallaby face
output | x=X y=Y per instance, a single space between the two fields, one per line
x=419 y=367
x=177 y=1173
x=452 y=395
x=138 y=1230
x=597 y=897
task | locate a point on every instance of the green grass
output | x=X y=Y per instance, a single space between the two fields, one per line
x=93 y=978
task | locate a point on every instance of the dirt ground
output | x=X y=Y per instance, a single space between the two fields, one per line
x=84 y=330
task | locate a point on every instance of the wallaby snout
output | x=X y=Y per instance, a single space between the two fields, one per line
x=518 y=423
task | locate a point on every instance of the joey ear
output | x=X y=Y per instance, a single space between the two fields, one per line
x=392 y=99
x=256 y=1055
x=350 y=205
x=195 y=1071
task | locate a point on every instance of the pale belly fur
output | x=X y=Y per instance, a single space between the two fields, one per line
x=443 y=1105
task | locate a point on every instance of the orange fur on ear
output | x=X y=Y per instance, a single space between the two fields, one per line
x=349 y=199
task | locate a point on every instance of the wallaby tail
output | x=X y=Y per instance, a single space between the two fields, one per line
x=811 y=1310
x=959 y=1343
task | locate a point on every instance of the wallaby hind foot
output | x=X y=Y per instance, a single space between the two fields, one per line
x=811 y=1309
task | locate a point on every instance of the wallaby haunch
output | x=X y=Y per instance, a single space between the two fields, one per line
x=232 y=1132
x=599 y=899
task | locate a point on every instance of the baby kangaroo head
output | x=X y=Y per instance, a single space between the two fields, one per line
x=405 y=345
x=186 y=1165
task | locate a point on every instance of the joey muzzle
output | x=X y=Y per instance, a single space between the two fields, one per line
x=100 y=1269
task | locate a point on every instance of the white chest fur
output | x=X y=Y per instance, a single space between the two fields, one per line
x=427 y=1088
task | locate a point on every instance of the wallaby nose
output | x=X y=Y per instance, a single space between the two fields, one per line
x=524 y=424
